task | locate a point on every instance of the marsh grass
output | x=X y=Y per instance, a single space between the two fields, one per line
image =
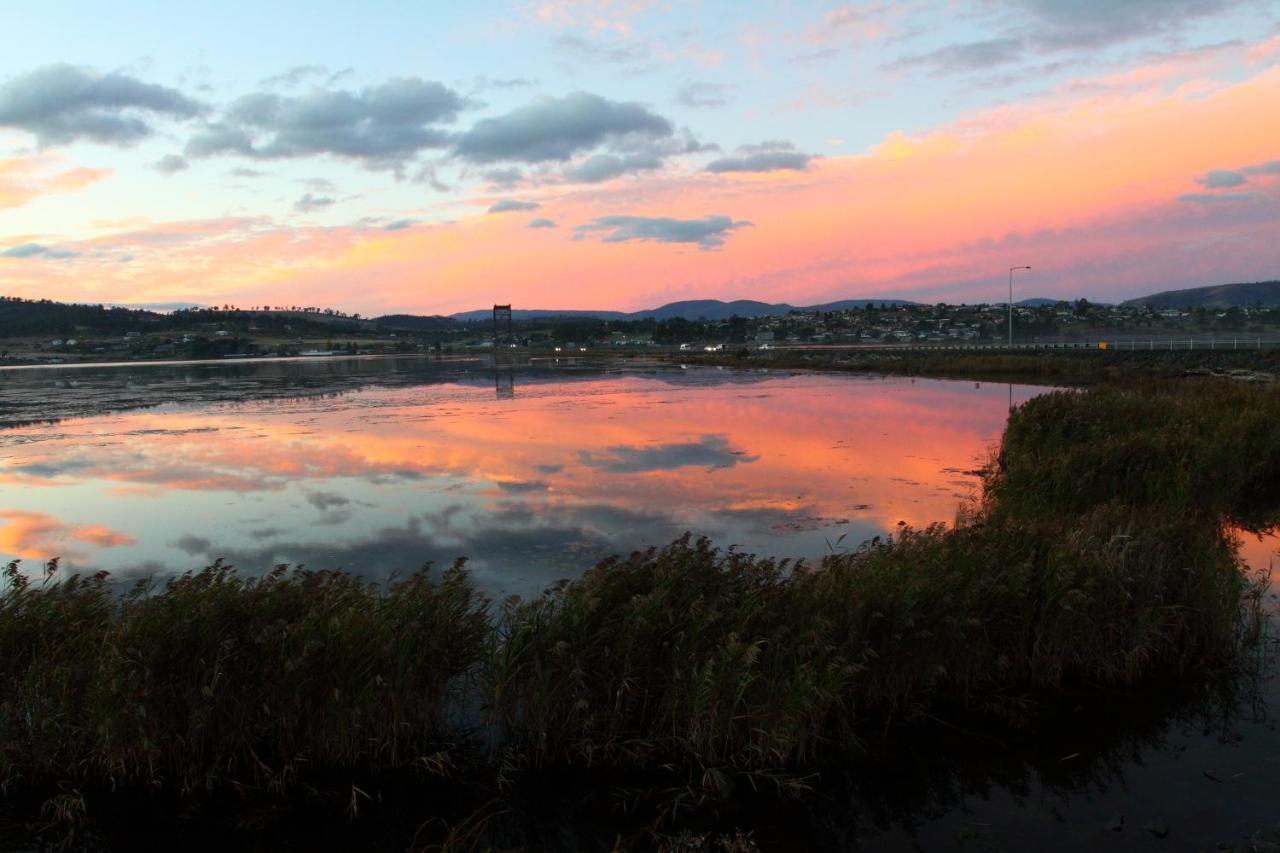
x=1201 y=449
x=216 y=679
x=726 y=661
x=1099 y=559
x=1085 y=367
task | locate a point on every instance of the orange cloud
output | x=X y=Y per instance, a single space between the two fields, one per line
x=1082 y=183
x=23 y=179
x=36 y=535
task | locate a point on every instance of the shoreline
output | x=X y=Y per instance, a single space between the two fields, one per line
x=266 y=359
x=1076 y=367
x=1083 y=365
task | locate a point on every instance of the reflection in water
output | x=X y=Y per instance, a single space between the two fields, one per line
x=382 y=470
x=1261 y=551
x=504 y=382
x=1111 y=775
x=376 y=466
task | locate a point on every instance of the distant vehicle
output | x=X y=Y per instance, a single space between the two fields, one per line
x=713 y=347
x=765 y=346
x=582 y=349
x=559 y=348
x=686 y=347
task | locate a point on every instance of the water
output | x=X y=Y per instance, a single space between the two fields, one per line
x=533 y=472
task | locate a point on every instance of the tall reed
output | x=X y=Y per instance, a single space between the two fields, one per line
x=216 y=679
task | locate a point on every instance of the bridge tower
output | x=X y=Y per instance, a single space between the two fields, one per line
x=502 y=332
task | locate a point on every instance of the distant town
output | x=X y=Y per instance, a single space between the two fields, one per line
x=42 y=331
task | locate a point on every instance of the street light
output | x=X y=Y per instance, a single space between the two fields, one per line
x=1011 y=269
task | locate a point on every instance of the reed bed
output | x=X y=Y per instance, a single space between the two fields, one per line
x=1100 y=557
x=216 y=679
x=1084 y=367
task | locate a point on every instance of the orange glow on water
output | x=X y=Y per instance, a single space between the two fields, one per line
x=36 y=535
x=784 y=464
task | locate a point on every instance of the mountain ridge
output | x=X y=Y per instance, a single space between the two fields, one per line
x=1237 y=295
x=19 y=316
x=689 y=309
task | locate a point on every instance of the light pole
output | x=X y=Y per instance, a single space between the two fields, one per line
x=1011 y=269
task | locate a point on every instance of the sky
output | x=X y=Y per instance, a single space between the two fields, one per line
x=619 y=154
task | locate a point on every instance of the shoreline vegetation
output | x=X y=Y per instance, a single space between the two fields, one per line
x=659 y=689
x=1076 y=367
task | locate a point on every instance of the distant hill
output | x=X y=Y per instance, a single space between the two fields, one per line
x=415 y=322
x=692 y=309
x=1242 y=295
x=44 y=316
x=20 y=317
x=161 y=307
x=536 y=314
x=846 y=304
x=1036 y=302
x=713 y=309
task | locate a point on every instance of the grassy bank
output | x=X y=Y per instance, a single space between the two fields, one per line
x=1098 y=560
x=1042 y=366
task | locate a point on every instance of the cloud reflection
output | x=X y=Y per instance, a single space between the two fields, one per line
x=38 y=535
x=386 y=475
x=710 y=451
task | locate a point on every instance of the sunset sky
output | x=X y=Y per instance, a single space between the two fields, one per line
x=619 y=154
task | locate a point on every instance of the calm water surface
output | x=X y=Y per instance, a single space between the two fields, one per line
x=536 y=471
x=532 y=473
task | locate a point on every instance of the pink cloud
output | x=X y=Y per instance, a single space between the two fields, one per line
x=23 y=179
x=1086 y=179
